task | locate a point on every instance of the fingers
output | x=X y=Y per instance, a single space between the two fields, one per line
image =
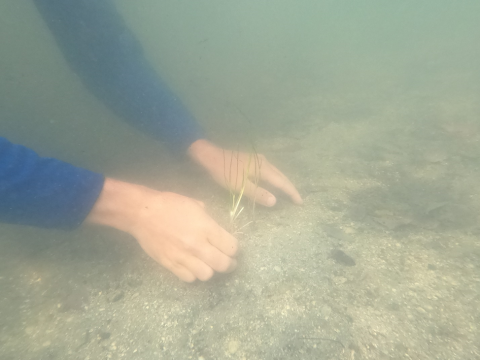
x=177 y=233
x=182 y=273
x=222 y=240
x=189 y=267
x=197 y=267
x=213 y=254
x=179 y=270
x=217 y=260
x=275 y=177
x=259 y=195
x=270 y=174
x=209 y=254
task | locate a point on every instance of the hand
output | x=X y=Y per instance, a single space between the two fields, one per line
x=228 y=169
x=172 y=229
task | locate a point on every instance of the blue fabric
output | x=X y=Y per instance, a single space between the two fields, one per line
x=109 y=60
x=98 y=46
x=44 y=192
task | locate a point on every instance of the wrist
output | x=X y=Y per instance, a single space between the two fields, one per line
x=119 y=205
x=200 y=150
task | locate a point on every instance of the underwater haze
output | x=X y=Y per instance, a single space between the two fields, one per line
x=371 y=108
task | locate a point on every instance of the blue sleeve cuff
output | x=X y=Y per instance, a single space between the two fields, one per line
x=44 y=192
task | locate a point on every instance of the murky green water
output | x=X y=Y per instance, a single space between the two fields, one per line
x=371 y=108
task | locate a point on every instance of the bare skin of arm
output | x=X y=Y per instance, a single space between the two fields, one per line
x=175 y=230
x=222 y=166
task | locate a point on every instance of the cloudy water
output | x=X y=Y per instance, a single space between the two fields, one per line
x=371 y=109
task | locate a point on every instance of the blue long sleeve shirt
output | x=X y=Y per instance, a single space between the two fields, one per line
x=44 y=192
x=108 y=58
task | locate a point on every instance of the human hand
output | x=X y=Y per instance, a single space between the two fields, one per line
x=172 y=229
x=228 y=169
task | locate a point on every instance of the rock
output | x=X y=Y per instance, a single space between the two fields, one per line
x=103 y=335
x=335 y=232
x=341 y=258
x=391 y=221
x=117 y=296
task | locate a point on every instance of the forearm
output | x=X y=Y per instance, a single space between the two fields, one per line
x=108 y=58
x=119 y=205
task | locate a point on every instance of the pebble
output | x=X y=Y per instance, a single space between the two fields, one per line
x=333 y=231
x=349 y=230
x=277 y=268
x=233 y=346
x=103 y=335
x=338 y=280
x=117 y=296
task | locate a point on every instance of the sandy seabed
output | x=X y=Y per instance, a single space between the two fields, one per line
x=381 y=262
